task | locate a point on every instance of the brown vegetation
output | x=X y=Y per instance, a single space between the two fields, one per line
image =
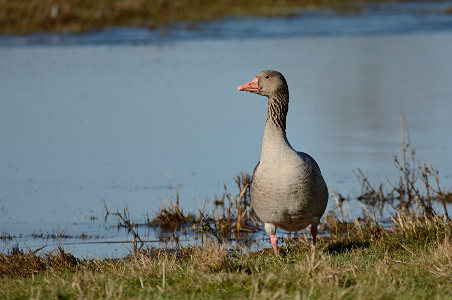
x=172 y=216
x=18 y=263
x=21 y=17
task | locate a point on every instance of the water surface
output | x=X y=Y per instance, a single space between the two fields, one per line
x=124 y=123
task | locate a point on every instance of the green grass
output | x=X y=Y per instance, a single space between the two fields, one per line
x=20 y=17
x=411 y=262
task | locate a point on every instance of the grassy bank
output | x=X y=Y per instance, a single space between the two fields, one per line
x=20 y=17
x=413 y=261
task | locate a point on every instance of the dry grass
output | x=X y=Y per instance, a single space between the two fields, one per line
x=210 y=258
x=17 y=263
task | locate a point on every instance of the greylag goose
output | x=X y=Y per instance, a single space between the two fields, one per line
x=287 y=188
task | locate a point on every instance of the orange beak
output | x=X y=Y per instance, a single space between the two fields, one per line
x=250 y=86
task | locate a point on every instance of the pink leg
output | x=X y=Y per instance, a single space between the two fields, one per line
x=314 y=235
x=274 y=242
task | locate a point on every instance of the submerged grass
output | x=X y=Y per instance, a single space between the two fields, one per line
x=172 y=216
x=21 y=17
x=225 y=218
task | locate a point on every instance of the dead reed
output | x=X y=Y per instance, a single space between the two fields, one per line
x=417 y=187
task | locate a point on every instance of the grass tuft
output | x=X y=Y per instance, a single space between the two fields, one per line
x=17 y=263
x=172 y=216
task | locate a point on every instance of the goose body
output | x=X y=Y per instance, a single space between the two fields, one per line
x=287 y=189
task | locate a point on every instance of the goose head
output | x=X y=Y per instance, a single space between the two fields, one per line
x=267 y=83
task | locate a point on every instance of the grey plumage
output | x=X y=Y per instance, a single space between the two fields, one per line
x=287 y=188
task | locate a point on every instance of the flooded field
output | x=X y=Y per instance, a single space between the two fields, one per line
x=88 y=124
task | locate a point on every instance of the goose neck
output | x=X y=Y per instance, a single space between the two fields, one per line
x=278 y=106
x=275 y=141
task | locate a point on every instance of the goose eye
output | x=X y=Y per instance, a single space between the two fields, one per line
x=267 y=76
